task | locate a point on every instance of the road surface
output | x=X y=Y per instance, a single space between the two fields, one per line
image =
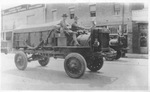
x=123 y=74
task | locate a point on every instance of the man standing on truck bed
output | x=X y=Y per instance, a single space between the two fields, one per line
x=64 y=28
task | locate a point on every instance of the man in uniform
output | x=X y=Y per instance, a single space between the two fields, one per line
x=64 y=28
x=75 y=27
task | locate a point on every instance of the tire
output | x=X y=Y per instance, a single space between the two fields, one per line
x=44 y=61
x=95 y=64
x=21 y=60
x=118 y=55
x=75 y=65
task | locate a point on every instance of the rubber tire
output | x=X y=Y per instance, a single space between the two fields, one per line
x=118 y=55
x=24 y=60
x=95 y=68
x=82 y=61
x=44 y=62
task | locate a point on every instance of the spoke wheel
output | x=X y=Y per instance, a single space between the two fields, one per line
x=44 y=61
x=21 y=60
x=75 y=65
x=95 y=64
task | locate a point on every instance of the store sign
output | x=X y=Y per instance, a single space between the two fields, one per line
x=35 y=6
x=21 y=8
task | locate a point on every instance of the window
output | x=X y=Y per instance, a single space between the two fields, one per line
x=3 y=36
x=72 y=13
x=8 y=35
x=54 y=15
x=125 y=29
x=143 y=40
x=93 y=10
x=116 y=9
x=114 y=29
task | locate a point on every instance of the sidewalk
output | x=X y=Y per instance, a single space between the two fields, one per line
x=132 y=55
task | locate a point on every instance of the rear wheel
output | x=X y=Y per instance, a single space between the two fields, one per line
x=75 y=65
x=95 y=64
x=21 y=60
x=44 y=61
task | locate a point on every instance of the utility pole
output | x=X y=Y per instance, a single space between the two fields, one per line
x=1 y=20
x=122 y=28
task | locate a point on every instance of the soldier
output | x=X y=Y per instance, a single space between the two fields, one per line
x=75 y=27
x=64 y=28
x=63 y=23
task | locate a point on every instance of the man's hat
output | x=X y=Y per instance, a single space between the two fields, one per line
x=76 y=17
x=64 y=15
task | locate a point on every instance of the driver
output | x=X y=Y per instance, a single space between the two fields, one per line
x=75 y=27
x=64 y=28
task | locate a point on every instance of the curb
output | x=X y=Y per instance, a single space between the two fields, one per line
x=139 y=56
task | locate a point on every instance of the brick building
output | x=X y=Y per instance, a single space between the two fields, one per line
x=115 y=16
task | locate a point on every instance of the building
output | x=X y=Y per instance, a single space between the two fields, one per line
x=118 y=17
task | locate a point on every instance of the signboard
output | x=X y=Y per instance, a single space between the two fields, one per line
x=21 y=8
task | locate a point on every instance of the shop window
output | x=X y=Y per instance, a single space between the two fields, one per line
x=3 y=35
x=116 y=9
x=8 y=35
x=93 y=10
x=114 y=29
x=143 y=40
x=72 y=13
x=125 y=29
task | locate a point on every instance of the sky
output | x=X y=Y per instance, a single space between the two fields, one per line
x=5 y=4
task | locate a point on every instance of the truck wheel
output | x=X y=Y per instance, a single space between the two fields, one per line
x=75 y=65
x=95 y=64
x=118 y=54
x=44 y=61
x=21 y=60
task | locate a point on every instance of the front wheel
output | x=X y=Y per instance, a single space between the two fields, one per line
x=95 y=64
x=44 y=61
x=21 y=60
x=75 y=65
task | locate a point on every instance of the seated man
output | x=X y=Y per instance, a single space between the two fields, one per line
x=75 y=27
x=64 y=28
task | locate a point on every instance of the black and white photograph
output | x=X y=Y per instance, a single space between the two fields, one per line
x=74 y=45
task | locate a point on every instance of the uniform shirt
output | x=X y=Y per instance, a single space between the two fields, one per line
x=63 y=24
x=75 y=27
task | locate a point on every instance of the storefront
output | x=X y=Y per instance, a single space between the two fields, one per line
x=6 y=41
x=140 y=37
x=140 y=30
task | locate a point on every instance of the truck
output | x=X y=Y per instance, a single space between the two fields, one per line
x=39 y=43
x=119 y=44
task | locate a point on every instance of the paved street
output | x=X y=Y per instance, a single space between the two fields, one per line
x=123 y=74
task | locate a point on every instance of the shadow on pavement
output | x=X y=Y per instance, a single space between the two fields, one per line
x=119 y=60
x=91 y=79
